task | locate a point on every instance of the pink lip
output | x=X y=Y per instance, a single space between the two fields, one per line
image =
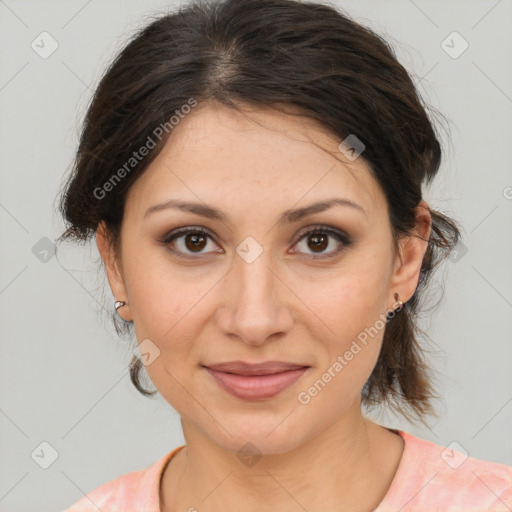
x=255 y=381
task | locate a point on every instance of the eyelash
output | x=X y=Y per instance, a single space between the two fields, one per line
x=340 y=236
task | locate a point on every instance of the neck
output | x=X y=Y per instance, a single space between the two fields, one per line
x=349 y=466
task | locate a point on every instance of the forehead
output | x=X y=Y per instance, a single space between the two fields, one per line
x=257 y=157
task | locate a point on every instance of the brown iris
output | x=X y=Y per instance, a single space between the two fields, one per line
x=318 y=241
x=195 y=241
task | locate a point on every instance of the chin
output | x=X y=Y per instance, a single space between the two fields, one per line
x=258 y=443
x=266 y=436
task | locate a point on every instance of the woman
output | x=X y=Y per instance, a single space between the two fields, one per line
x=251 y=171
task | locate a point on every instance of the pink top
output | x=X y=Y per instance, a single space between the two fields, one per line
x=429 y=477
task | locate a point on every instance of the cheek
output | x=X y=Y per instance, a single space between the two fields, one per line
x=356 y=329
x=168 y=310
x=170 y=307
x=162 y=293
x=352 y=306
x=349 y=303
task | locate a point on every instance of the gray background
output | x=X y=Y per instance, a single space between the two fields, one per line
x=64 y=373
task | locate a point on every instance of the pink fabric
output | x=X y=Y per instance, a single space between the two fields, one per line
x=427 y=479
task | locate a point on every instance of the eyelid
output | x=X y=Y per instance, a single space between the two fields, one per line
x=323 y=228
x=168 y=237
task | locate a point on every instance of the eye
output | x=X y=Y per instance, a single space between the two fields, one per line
x=318 y=240
x=188 y=241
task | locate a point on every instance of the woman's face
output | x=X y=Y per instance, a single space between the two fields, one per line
x=256 y=287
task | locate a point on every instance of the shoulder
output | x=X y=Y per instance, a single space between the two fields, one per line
x=111 y=495
x=435 y=477
x=139 y=487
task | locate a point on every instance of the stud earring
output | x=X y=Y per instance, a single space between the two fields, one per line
x=391 y=313
x=119 y=304
x=399 y=302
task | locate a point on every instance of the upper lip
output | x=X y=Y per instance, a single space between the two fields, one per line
x=263 y=368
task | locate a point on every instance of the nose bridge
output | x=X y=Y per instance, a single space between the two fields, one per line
x=254 y=277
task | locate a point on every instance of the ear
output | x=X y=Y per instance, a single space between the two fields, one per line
x=408 y=262
x=113 y=269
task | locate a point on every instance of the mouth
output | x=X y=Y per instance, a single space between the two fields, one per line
x=255 y=381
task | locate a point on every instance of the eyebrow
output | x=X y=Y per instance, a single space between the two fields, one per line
x=288 y=216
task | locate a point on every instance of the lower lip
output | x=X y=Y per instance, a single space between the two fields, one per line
x=256 y=387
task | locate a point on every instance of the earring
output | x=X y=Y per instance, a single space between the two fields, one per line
x=392 y=312
x=119 y=304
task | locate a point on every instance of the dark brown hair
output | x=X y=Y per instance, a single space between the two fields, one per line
x=271 y=53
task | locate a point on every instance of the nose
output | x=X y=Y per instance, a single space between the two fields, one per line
x=256 y=307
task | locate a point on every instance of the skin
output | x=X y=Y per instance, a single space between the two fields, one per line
x=285 y=306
